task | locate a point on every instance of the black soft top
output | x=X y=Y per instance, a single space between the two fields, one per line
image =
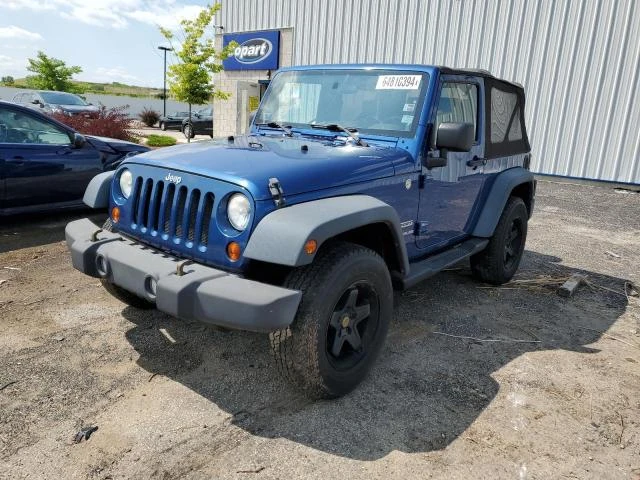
x=506 y=133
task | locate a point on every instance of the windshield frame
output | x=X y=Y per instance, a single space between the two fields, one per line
x=423 y=91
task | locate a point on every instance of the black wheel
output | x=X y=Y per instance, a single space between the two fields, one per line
x=341 y=323
x=498 y=263
x=188 y=131
x=163 y=126
x=121 y=294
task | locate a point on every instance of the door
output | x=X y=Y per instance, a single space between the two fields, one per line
x=248 y=100
x=449 y=198
x=40 y=165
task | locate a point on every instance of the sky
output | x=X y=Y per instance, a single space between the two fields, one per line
x=111 y=40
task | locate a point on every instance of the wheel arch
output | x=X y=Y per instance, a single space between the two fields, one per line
x=97 y=193
x=281 y=235
x=512 y=182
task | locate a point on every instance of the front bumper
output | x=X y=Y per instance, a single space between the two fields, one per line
x=186 y=290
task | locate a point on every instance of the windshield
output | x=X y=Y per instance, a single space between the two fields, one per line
x=378 y=102
x=61 y=98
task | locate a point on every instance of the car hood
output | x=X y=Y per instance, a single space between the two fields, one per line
x=78 y=108
x=300 y=164
x=113 y=144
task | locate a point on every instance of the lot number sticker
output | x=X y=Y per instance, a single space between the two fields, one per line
x=398 y=82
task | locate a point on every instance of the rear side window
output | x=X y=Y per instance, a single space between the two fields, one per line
x=505 y=117
x=506 y=133
x=459 y=104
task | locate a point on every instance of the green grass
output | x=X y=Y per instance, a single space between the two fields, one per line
x=114 y=88
x=160 y=141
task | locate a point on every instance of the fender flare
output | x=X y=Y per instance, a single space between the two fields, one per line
x=501 y=189
x=97 y=193
x=281 y=235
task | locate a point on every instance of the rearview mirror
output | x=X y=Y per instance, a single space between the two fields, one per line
x=455 y=137
x=78 y=140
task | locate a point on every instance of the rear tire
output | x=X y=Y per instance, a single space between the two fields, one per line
x=120 y=293
x=498 y=263
x=341 y=324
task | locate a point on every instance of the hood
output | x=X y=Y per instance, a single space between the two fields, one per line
x=78 y=108
x=114 y=144
x=300 y=164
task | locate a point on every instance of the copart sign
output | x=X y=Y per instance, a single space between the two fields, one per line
x=254 y=50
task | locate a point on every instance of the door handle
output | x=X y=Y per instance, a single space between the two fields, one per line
x=476 y=162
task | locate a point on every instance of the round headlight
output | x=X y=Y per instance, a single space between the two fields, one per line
x=126 y=183
x=239 y=211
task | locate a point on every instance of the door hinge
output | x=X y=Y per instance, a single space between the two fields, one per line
x=276 y=192
x=420 y=228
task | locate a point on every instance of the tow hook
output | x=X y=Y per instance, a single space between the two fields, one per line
x=94 y=235
x=180 y=267
x=276 y=192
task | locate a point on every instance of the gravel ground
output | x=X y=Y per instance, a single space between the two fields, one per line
x=178 y=400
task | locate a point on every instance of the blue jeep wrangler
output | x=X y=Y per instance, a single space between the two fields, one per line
x=354 y=180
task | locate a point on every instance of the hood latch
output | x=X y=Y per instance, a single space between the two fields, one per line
x=276 y=192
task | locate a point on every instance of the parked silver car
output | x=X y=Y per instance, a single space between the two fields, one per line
x=55 y=102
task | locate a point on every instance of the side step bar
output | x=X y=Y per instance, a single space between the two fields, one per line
x=431 y=265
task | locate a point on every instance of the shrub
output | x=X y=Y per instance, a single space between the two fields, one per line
x=149 y=117
x=160 y=141
x=108 y=122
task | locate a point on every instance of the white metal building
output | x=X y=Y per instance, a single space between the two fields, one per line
x=578 y=61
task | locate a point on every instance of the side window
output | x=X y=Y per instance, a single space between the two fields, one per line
x=458 y=103
x=17 y=127
x=505 y=117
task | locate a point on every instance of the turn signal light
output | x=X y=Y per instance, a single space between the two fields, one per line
x=115 y=214
x=310 y=247
x=233 y=251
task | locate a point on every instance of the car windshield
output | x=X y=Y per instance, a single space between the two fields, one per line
x=61 y=98
x=378 y=102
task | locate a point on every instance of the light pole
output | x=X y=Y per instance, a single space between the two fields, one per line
x=164 y=85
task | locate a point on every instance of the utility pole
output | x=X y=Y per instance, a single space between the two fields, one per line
x=164 y=85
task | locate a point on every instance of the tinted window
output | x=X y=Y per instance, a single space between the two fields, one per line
x=16 y=127
x=61 y=98
x=459 y=104
x=505 y=117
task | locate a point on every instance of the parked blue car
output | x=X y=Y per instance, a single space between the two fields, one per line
x=354 y=180
x=46 y=165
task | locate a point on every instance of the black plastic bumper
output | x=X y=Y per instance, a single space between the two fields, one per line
x=186 y=290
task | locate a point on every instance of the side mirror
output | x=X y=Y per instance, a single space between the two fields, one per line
x=78 y=140
x=455 y=137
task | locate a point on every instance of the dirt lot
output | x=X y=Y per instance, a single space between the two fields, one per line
x=176 y=400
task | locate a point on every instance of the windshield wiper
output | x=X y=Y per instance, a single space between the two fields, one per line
x=334 y=127
x=287 y=130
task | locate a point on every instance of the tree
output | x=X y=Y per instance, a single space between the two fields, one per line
x=52 y=74
x=8 y=80
x=190 y=79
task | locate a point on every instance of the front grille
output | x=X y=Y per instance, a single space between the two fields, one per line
x=172 y=212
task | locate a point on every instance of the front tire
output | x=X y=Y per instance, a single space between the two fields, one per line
x=341 y=324
x=498 y=263
x=163 y=126
x=188 y=131
x=125 y=296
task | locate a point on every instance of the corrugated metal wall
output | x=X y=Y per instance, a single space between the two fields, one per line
x=578 y=60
